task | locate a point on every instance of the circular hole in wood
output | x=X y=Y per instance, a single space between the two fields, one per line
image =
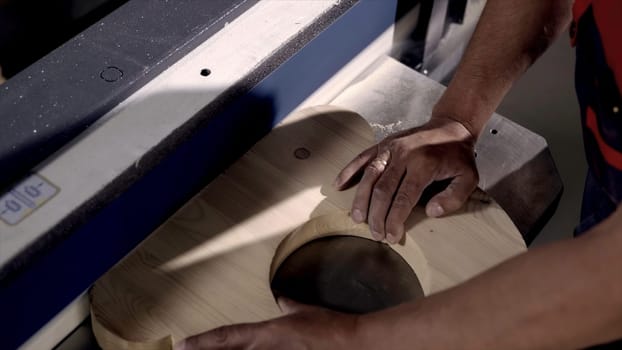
x=205 y=72
x=347 y=274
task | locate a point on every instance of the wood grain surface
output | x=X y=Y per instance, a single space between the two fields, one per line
x=210 y=264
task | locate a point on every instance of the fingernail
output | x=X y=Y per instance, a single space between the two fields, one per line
x=180 y=345
x=377 y=235
x=435 y=210
x=357 y=216
x=391 y=238
x=336 y=182
x=282 y=304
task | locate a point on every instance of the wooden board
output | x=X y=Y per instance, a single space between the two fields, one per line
x=210 y=264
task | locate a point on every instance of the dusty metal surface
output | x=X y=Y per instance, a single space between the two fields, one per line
x=52 y=101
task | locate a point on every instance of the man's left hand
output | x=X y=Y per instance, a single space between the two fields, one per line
x=304 y=327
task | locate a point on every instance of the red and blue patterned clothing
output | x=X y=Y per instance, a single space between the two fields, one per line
x=597 y=34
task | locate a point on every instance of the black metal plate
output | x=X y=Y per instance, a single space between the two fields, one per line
x=49 y=103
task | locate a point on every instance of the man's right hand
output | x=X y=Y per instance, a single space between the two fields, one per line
x=508 y=38
x=394 y=173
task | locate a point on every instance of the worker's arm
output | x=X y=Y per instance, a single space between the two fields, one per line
x=509 y=37
x=566 y=295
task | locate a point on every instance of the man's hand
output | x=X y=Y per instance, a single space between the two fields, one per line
x=304 y=327
x=509 y=37
x=394 y=173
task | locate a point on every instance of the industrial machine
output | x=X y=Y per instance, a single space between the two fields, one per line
x=144 y=102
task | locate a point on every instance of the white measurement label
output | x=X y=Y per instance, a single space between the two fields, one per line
x=25 y=198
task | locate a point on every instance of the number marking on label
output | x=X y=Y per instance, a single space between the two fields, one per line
x=26 y=197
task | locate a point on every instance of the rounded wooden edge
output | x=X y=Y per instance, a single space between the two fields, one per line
x=332 y=111
x=340 y=224
x=109 y=340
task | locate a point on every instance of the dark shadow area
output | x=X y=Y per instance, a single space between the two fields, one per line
x=30 y=29
x=413 y=41
x=409 y=46
x=347 y=274
x=525 y=194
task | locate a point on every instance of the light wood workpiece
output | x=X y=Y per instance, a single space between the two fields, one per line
x=210 y=264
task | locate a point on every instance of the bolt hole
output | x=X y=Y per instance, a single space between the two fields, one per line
x=111 y=74
x=205 y=72
x=302 y=153
x=494 y=131
x=475 y=154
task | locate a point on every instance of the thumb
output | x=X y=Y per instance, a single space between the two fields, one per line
x=453 y=197
x=228 y=337
x=289 y=306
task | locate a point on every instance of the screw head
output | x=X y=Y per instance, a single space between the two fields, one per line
x=111 y=74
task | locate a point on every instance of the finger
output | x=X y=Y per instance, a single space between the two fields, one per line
x=382 y=196
x=453 y=197
x=344 y=179
x=360 y=204
x=289 y=306
x=239 y=336
x=406 y=198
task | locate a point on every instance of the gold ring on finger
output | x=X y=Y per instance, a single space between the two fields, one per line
x=378 y=164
